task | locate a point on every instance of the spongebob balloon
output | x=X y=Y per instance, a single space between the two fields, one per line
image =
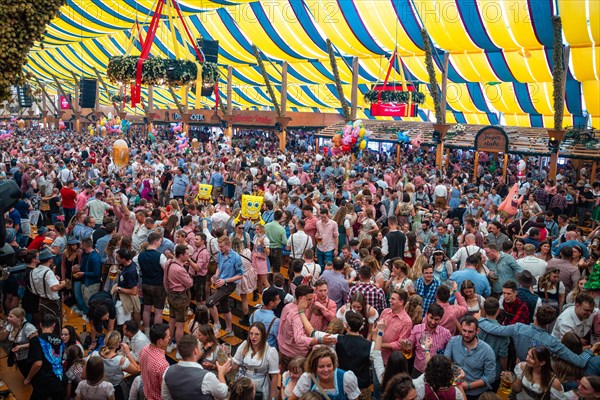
x=251 y=206
x=204 y=192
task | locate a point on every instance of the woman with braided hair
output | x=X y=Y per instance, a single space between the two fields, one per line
x=242 y=389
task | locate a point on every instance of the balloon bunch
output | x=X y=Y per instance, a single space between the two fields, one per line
x=403 y=138
x=181 y=138
x=4 y=134
x=353 y=139
x=112 y=124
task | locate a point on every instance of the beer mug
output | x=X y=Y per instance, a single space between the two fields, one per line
x=112 y=272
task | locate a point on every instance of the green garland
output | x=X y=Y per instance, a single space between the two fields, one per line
x=372 y=96
x=338 y=81
x=23 y=23
x=433 y=86
x=117 y=98
x=270 y=90
x=159 y=71
x=558 y=72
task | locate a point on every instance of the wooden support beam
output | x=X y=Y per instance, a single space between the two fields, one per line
x=444 y=86
x=59 y=86
x=283 y=93
x=43 y=87
x=229 y=90
x=105 y=86
x=177 y=103
x=594 y=171
x=354 y=89
x=475 y=166
x=505 y=167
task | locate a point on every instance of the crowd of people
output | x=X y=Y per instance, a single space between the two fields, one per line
x=362 y=279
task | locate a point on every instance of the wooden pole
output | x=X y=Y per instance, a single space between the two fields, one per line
x=475 y=165
x=283 y=102
x=176 y=100
x=553 y=165
x=77 y=109
x=150 y=107
x=398 y=150
x=593 y=172
x=229 y=90
x=354 y=90
x=43 y=87
x=505 y=167
x=444 y=85
x=117 y=107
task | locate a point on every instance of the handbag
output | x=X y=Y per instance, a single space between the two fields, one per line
x=212 y=264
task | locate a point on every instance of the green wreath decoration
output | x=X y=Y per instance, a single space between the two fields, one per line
x=372 y=96
x=159 y=71
x=117 y=98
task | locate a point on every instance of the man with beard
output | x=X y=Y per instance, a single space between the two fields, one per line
x=521 y=225
x=475 y=357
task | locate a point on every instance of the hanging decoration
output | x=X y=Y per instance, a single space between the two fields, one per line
x=433 y=86
x=158 y=71
x=510 y=205
x=338 y=81
x=23 y=23
x=393 y=99
x=270 y=90
x=251 y=207
x=558 y=71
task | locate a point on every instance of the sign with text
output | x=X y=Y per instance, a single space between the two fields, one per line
x=492 y=139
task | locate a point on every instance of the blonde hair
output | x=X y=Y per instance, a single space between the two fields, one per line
x=417 y=269
x=112 y=341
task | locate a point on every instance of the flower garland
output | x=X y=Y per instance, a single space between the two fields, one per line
x=433 y=86
x=117 y=98
x=455 y=131
x=372 y=96
x=23 y=23
x=338 y=81
x=558 y=71
x=160 y=71
x=270 y=90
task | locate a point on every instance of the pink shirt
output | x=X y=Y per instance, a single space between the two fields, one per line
x=81 y=201
x=154 y=365
x=440 y=337
x=397 y=328
x=329 y=235
x=177 y=279
x=320 y=322
x=292 y=339
x=126 y=223
x=452 y=313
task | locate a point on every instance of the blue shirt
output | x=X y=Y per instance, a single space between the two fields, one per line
x=478 y=363
x=129 y=277
x=216 y=180
x=570 y=243
x=266 y=316
x=230 y=265
x=167 y=244
x=505 y=269
x=528 y=336
x=498 y=344
x=101 y=247
x=180 y=184
x=91 y=267
x=427 y=292
x=482 y=285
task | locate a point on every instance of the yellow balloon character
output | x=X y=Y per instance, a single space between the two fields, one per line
x=251 y=207
x=362 y=144
x=204 y=192
x=362 y=132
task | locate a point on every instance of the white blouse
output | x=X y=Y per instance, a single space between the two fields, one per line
x=351 y=389
x=535 y=387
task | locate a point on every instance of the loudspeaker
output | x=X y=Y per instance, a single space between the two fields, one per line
x=210 y=48
x=25 y=100
x=87 y=92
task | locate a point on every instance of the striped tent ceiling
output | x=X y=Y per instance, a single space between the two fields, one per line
x=500 y=51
